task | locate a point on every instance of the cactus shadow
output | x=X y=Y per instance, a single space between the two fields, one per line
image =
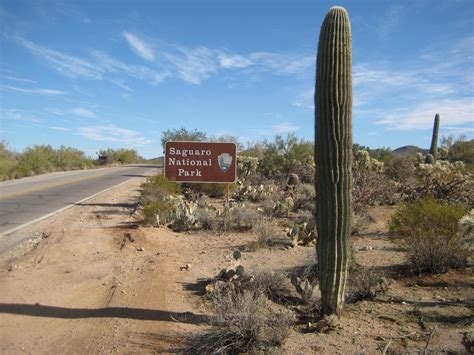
x=196 y=288
x=39 y=310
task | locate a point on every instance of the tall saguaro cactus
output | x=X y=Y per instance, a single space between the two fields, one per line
x=333 y=101
x=434 y=138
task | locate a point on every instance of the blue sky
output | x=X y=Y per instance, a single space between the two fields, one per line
x=97 y=74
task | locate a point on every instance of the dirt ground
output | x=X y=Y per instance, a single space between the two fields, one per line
x=92 y=280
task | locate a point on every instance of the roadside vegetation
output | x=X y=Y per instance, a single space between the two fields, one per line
x=273 y=200
x=41 y=159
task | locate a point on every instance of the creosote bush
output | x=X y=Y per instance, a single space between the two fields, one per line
x=156 y=199
x=428 y=230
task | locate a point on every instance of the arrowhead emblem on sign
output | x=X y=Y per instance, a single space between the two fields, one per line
x=225 y=161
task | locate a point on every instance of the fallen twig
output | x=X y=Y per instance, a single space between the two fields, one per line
x=425 y=352
x=387 y=346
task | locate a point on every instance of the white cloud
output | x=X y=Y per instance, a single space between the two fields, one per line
x=67 y=65
x=282 y=63
x=139 y=46
x=17 y=115
x=112 y=133
x=62 y=129
x=284 y=127
x=233 y=61
x=114 y=66
x=83 y=112
x=14 y=78
x=191 y=64
x=34 y=91
x=453 y=112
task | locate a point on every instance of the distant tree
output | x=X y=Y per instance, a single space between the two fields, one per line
x=462 y=151
x=182 y=134
x=228 y=138
x=122 y=155
x=281 y=155
x=381 y=154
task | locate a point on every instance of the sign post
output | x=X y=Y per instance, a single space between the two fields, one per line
x=198 y=162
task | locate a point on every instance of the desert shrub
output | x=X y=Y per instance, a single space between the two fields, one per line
x=242 y=323
x=274 y=284
x=158 y=212
x=281 y=156
x=38 y=160
x=371 y=188
x=157 y=199
x=236 y=217
x=400 y=169
x=305 y=170
x=205 y=217
x=8 y=162
x=277 y=205
x=462 y=150
x=67 y=158
x=243 y=218
x=445 y=181
x=267 y=234
x=428 y=230
x=304 y=198
x=364 y=283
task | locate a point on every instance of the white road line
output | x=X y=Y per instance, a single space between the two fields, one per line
x=57 y=211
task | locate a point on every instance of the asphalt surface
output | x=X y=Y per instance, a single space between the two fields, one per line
x=26 y=200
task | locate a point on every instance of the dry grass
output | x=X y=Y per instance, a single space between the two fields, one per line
x=243 y=323
x=267 y=234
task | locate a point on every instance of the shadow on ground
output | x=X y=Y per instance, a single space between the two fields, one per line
x=38 y=310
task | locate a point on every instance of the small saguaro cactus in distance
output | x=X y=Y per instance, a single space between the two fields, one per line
x=333 y=151
x=434 y=138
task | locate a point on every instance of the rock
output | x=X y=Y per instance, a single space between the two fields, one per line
x=185 y=267
x=140 y=249
x=12 y=267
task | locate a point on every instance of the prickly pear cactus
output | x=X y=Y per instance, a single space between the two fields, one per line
x=302 y=235
x=333 y=101
x=434 y=138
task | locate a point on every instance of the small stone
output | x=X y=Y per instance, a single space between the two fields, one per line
x=140 y=249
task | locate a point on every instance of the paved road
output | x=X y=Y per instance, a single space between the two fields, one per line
x=25 y=200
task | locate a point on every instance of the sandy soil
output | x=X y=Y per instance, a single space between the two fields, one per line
x=91 y=280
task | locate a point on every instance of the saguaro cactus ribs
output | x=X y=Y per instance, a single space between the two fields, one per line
x=333 y=101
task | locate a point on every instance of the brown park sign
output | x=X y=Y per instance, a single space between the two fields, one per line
x=201 y=162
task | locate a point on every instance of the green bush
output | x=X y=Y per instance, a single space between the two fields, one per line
x=162 y=209
x=428 y=231
x=156 y=199
x=161 y=181
x=8 y=162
